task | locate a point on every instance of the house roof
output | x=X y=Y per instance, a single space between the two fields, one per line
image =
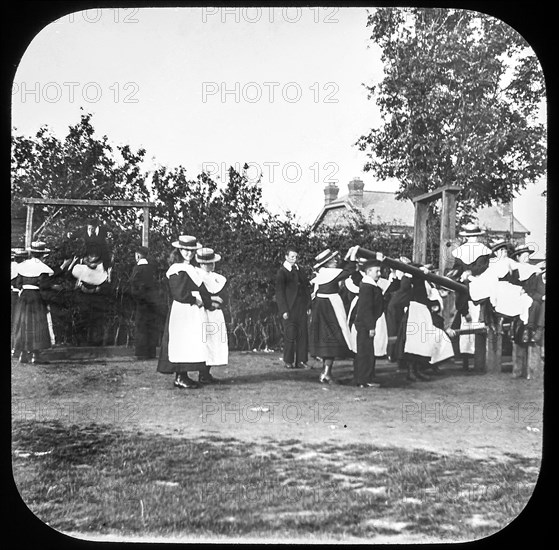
x=496 y=218
x=387 y=208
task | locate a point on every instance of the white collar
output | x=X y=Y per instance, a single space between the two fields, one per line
x=288 y=266
x=469 y=252
x=369 y=280
x=142 y=261
x=33 y=267
x=325 y=275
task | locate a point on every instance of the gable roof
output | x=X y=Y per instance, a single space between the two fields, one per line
x=383 y=204
x=496 y=218
x=386 y=208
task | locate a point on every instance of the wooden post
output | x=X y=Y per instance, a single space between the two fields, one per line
x=495 y=345
x=420 y=232
x=448 y=229
x=519 y=361
x=535 y=362
x=145 y=229
x=29 y=226
x=480 y=352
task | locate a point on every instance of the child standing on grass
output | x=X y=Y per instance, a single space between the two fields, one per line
x=369 y=309
x=215 y=331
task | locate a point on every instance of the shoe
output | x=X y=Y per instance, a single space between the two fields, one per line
x=369 y=385
x=305 y=366
x=421 y=376
x=326 y=379
x=186 y=383
x=289 y=365
x=410 y=377
x=436 y=371
x=207 y=379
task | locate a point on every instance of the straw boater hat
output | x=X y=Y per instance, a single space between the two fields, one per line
x=39 y=247
x=500 y=243
x=470 y=230
x=522 y=248
x=324 y=257
x=187 y=242
x=207 y=256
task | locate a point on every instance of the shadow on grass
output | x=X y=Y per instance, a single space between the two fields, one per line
x=98 y=480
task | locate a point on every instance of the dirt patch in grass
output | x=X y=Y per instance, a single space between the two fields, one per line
x=112 y=449
x=92 y=479
x=259 y=401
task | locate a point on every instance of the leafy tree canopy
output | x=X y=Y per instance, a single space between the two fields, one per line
x=459 y=102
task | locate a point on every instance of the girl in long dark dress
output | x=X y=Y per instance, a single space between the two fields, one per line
x=183 y=348
x=30 y=329
x=329 y=332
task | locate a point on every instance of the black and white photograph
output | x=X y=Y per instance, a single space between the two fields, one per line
x=278 y=274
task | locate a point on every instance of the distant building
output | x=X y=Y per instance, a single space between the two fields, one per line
x=382 y=207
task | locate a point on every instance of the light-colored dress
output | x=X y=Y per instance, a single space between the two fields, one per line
x=215 y=333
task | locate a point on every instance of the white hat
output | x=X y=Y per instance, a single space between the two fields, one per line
x=187 y=242
x=207 y=256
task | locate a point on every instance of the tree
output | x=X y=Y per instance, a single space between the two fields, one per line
x=82 y=166
x=459 y=101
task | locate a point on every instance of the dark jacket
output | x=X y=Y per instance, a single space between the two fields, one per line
x=370 y=305
x=143 y=286
x=292 y=286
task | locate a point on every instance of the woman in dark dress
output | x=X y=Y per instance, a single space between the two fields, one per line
x=183 y=347
x=30 y=329
x=329 y=332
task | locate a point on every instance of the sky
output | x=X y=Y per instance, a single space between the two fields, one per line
x=278 y=88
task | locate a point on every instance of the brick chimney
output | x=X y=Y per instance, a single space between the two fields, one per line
x=355 y=187
x=507 y=212
x=330 y=193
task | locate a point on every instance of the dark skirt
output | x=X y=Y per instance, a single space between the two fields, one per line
x=30 y=330
x=326 y=337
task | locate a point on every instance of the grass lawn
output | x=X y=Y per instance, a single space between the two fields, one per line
x=100 y=479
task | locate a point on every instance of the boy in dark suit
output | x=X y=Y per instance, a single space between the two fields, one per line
x=143 y=288
x=294 y=299
x=370 y=306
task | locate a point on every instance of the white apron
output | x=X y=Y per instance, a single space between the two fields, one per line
x=215 y=331
x=423 y=337
x=186 y=324
x=380 y=341
x=419 y=330
x=468 y=341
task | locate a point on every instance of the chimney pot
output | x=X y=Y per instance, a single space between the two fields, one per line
x=330 y=193
x=355 y=188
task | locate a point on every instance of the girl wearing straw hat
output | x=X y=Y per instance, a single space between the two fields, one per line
x=182 y=347
x=215 y=331
x=329 y=333
x=30 y=328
